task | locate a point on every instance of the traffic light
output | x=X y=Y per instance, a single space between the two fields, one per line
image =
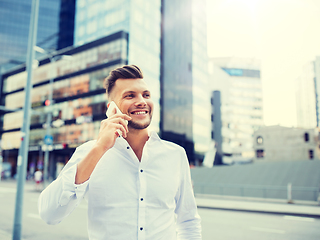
x=47 y=102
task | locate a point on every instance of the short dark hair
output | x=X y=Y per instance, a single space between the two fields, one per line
x=125 y=72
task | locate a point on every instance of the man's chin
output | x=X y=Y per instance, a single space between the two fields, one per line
x=138 y=126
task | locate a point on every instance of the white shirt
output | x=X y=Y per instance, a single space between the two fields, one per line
x=127 y=199
x=38 y=176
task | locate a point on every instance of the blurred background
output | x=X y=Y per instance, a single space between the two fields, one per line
x=234 y=82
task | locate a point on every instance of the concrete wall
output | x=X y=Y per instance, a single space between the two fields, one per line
x=285 y=144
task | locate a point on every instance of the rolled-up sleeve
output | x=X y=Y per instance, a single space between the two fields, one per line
x=62 y=196
x=188 y=219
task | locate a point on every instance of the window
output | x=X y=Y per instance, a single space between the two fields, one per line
x=310 y=154
x=259 y=140
x=306 y=137
x=260 y=153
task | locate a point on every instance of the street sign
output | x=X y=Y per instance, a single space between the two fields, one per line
x=48 y=139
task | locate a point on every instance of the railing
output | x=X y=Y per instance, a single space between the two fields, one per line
x=260 y=191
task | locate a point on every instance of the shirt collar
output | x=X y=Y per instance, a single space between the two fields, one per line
x=154 y=136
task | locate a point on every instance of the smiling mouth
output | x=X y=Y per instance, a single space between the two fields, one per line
x=139 y=112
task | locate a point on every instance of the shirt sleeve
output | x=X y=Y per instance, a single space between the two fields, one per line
x=188 y=219
x=62 y=196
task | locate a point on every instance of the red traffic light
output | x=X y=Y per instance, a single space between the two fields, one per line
x=47 y=102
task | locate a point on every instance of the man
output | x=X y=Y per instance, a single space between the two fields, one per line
x=138 y=186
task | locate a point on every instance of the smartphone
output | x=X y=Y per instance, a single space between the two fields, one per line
x=110 y=112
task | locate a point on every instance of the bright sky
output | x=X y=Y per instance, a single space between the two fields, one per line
x=283 y=34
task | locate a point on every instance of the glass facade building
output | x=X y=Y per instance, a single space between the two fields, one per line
x=185 y=98
x=201 y=108
x=55 y=28
x=78 y=96
x=141 y=19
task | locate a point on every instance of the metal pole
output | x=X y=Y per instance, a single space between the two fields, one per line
x=289 y=193
x=23 y=150
x=48 y=130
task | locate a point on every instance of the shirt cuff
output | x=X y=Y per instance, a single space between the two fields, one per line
x=70 y=190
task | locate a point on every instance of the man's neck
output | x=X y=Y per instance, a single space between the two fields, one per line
x=137 y=139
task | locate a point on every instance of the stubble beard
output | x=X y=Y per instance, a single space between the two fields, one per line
x=139 y=126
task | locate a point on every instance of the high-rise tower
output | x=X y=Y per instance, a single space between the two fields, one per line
x=55 y=28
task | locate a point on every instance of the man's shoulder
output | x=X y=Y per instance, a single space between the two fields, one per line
x=167 y=145
x=171 y=146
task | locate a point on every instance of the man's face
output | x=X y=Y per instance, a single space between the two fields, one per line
x=133 y=98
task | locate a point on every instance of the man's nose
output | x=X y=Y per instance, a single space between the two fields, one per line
x=141 y=101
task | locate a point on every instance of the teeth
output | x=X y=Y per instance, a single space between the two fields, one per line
x=138 y=113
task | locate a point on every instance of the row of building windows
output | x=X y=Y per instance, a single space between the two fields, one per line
x=260 y=153
x=73 y=135
x=80 y=61
x=67 y=110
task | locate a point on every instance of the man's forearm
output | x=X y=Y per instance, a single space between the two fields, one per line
x=88 y=163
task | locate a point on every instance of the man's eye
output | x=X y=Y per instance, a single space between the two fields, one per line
x=129 y=96
x=147 y=95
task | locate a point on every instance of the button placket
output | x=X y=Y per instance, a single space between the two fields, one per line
x=141 y=202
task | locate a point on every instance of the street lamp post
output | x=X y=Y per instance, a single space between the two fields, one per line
x=23 y=150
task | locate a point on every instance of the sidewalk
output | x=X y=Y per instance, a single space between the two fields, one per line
x=299 y=208
x=273 y=206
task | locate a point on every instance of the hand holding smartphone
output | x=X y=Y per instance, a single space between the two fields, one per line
x=110 y=112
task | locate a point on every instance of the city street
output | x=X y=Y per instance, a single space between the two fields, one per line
x=216 y=224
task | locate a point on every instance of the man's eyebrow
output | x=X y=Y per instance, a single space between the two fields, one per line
x=127 y=92
x=130 y=92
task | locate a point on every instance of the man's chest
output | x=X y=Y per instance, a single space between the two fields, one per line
x=121 y=181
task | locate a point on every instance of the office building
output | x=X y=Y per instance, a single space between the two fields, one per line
x=240 y=91
x=276 y=143
x=55 y=28
x=78 y=95
x=307 y=95
x=185 y=96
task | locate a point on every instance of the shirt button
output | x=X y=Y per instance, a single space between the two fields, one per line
x=141 y=170
x=141 y=228
x=141 y=199
x=128 y=147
